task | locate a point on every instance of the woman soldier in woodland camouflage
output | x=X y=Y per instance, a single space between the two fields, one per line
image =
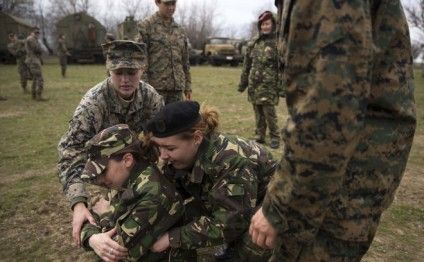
x=260 y=77
x=143 y=203
x=221 y=178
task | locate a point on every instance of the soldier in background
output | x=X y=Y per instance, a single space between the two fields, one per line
x=168 y=66
x=17 y=48
x=120 y=99
x=222 y=179
x=142 y=204
x=63 y=53
x=260 y=77
x=352 y=117
x=34 y=61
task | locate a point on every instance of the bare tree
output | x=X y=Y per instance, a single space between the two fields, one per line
x=199 y=21
x=20 y=8
x=415 y=15
x=139 y=9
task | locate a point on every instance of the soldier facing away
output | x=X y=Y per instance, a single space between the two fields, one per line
x=17 y=48
x=120 y=98
x=222 y=179
x=143 y=204
x=62 y=53
x=168 y=66
x=352 y=118
x=260 y=77
x=34 y=62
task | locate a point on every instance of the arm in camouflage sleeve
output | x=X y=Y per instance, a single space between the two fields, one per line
x=143 y=36
x=233 y=197
x=328 y=81
x=186 y=67
x=247 y=64
x=71 y=154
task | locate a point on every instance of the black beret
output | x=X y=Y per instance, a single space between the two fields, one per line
x=174 y=118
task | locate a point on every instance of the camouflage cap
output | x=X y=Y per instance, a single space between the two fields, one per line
x=109 y=142
x=124 y=54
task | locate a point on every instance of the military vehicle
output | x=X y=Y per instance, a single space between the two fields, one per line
x=127 y=30
x=11 y=24
x=84 y=36
x=219 y=50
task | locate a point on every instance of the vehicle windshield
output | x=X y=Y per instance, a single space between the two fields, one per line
x=219 y=41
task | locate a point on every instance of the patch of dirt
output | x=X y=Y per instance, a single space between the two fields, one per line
x=10 y=114
x=411 y=189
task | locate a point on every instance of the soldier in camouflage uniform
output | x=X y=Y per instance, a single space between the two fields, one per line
x=221 y=178
x=350 y=95
x=260 y=77
x=62 y=53
x=121 y=98
x=143 y=204
x=168 y=66
x=17 y=48
x=34 y=61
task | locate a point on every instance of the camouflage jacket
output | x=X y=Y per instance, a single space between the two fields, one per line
x=226 y=184
x=350 y=98
x=18 y=50
x=61 y=48
x=33 y=50
x=100 y=108
x=146 y=207
x=260 y=74
x=168 y=67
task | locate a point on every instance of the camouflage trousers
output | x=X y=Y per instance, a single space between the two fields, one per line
x=171 y=96
x=24 y=73
x=37 y=80
x=265 y=115
x=63 y=60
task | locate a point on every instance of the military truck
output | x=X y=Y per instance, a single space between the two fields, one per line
x=84 y=36
x=219 y=50
x=11 y=24
x=127 y=30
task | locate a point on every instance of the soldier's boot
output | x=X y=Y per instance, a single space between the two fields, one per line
x=40 y=98
x=260 y=139
x=274 y=144
x=3 y=98
x=63 y=72
x=34 y=95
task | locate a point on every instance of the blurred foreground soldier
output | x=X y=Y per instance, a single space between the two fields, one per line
x=34 y=61
x=350 y=97
x=120 y=98
x=168 y=66
x=143 y=204
x=260 y=77
x=63 y=53
x=222 y=179
x=17 y=48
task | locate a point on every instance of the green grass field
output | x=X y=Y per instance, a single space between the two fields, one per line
x=35 y=219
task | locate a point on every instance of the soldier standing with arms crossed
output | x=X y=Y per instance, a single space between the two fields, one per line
x=34 y=61
x=350 y=95
x=17 y=48
x=168 y=67
x=63 y=54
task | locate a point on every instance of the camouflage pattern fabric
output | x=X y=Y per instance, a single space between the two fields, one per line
x=171 y=96
x=146 y=208
x=352 y=118
x=18 y=50
x=227 y=183
x=100 y=108
x=33 y=61
x=62 y=52
x=124 y=54
x=259 y=74
x=265 y=115
x=168 y=67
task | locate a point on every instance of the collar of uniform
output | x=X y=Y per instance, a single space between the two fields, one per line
x=116 y=105
x=200 y=167
x=158 y=18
